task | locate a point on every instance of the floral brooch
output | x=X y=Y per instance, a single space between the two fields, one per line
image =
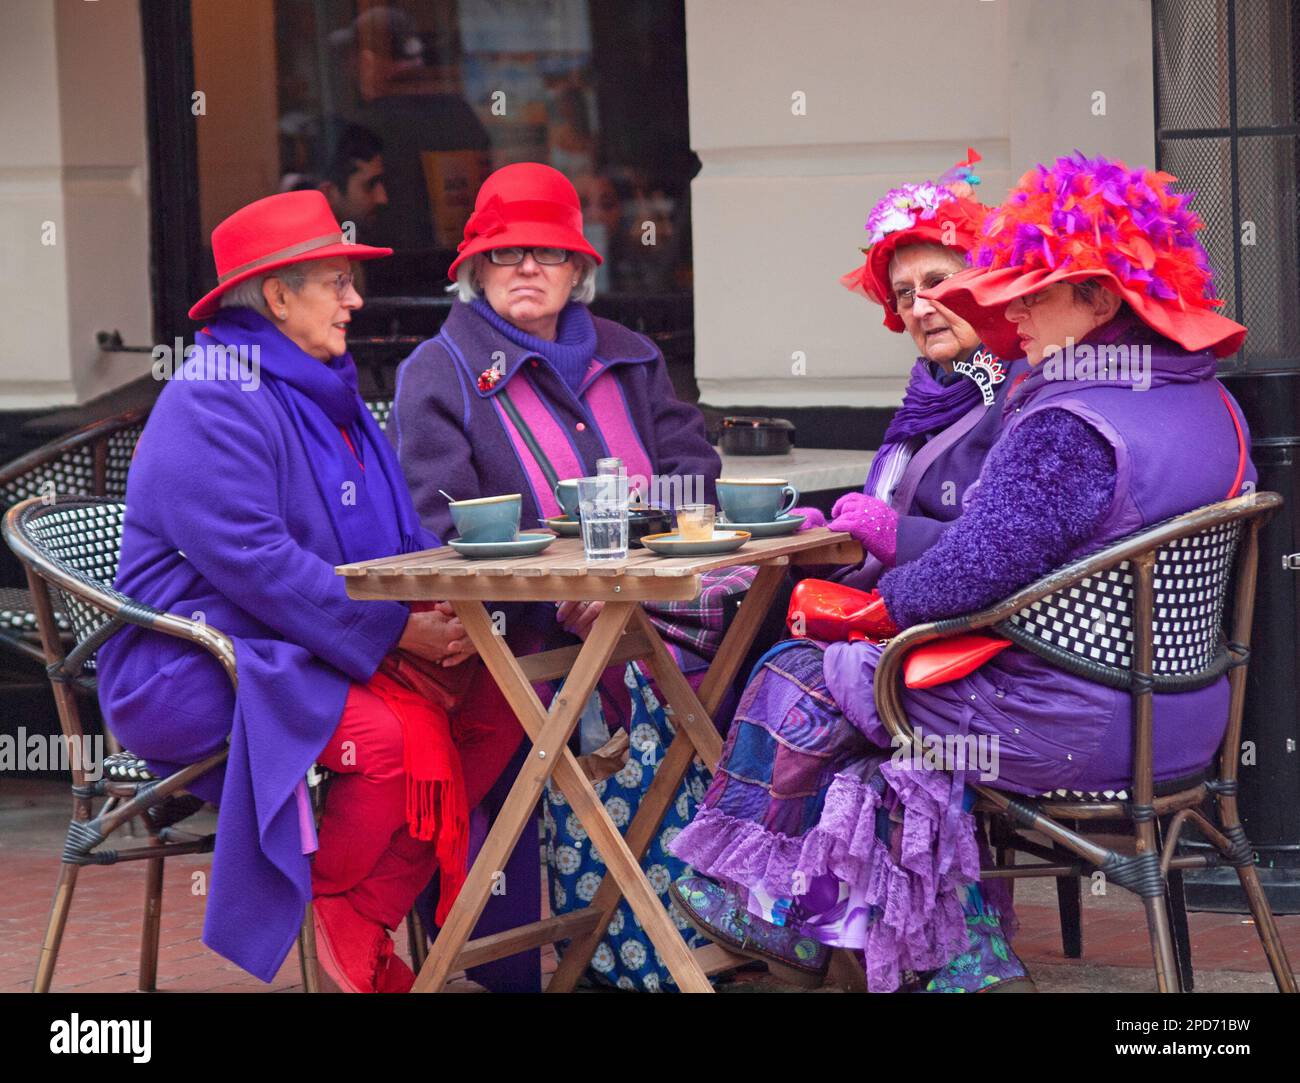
x=488 y=379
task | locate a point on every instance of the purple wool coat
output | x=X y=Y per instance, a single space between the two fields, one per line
x=225 y=523
x=451 y=434
x=1055 y=730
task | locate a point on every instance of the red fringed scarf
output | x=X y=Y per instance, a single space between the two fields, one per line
x=437 y=808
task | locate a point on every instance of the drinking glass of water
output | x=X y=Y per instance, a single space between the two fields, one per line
x=602 y=505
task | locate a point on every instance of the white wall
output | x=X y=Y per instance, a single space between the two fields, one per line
x=894 y=92
x=72 y=152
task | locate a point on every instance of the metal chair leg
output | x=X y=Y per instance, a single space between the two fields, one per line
x=1181 y=931
x=63 y=889
x=307 y=953
x=415 y=940
x=1070 y=906
x=151 y=931
x=1266 y=927
x=1162 y=944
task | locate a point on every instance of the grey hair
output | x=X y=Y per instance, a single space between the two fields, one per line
x=467 y=287
x=248 y=294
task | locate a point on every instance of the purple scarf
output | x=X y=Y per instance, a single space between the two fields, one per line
x=569 y=354
x=928 y=407
x=370 y=509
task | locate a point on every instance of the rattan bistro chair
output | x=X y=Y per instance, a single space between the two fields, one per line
x=1146 y=614
x=91 y=461
x=70 y=552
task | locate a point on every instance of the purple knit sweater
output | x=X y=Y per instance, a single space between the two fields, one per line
x=1043 y=493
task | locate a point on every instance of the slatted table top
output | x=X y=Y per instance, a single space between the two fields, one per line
x=563 y=572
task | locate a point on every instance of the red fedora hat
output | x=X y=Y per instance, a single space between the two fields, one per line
x=526 y=205
x=275 y=232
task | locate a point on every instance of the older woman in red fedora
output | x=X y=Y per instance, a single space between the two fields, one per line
x=522 y=387
x=242 y=499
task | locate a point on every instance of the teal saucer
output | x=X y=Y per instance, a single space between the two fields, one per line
x=523 y=546
x=671 y=545
x=566 y=526
x=787 y=524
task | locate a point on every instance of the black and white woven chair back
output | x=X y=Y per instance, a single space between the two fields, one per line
x=84 y=539
x=121 y=446
x=380 y=410
x=1088 y=628
x=71 y=474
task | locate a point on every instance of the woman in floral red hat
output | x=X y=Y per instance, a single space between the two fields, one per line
x=810 y=834
x=250 y=484
x=919 y=236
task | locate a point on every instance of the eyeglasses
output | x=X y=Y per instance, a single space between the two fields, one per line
x=508 y=257
x=342 y=282
x=903 y=300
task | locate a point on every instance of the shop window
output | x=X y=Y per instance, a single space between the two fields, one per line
x=397 y=111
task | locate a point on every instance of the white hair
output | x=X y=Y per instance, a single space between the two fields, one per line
x=467 y=287
x=248 y=294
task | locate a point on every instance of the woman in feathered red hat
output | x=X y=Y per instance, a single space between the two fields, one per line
x=523 y=387
x=845 y=847
x=251 y=482
x=919 y=236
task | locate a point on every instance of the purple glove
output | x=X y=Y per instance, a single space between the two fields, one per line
x=869 y=521
x=813 y=518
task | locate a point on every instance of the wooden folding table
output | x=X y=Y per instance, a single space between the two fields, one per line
x=621 y=633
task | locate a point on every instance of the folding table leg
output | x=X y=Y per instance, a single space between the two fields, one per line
x=696 y=734
x=622 y=868
x=550 y=733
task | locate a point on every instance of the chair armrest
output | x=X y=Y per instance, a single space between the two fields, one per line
x=113 y=602
x=887 y=690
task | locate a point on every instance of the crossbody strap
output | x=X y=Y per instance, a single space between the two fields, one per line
x=530 y=440
x=1241 y=445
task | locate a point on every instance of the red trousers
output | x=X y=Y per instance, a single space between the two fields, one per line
x=366 y=851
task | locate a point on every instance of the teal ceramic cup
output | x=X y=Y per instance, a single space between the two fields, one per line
x=566 y=493
x=487 y=519
x=755 y=500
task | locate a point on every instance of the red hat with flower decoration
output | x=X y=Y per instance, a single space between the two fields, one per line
x=524 y=205
x=932 y=212
x=1093 y=218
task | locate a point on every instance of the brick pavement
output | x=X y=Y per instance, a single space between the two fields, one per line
x=101 y=944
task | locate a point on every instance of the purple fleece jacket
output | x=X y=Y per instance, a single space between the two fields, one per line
x=1044 y=492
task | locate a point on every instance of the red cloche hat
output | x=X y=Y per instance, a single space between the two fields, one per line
x=1094 y=218
x=938 y=212
x=526 y=204
x=275 y=232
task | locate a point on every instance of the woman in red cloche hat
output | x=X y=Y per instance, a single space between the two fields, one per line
x=523 y=387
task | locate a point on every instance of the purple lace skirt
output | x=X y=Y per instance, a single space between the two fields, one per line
x=819 y=827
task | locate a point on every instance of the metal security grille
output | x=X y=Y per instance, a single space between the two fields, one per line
x=1227 y=125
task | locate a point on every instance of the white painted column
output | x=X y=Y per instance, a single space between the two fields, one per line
x=804 y=115
x=73 y=171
